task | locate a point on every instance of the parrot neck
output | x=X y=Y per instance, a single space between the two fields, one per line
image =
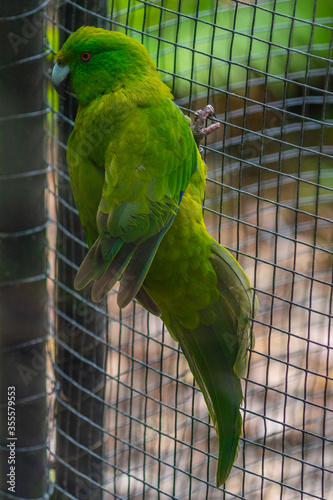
x=110 y=83
x=139 y=92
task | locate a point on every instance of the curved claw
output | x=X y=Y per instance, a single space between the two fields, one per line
x=197 y=126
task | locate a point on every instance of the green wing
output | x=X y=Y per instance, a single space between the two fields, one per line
x=149 y=163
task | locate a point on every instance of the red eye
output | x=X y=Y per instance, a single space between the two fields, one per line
x=85 y=56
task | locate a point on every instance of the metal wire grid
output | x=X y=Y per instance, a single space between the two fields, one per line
x=268 y=198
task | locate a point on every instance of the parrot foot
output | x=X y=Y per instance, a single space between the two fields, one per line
x=198 y=125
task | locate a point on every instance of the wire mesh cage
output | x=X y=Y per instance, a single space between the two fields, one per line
x=126 y=418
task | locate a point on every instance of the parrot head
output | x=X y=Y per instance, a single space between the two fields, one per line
x=94 y=62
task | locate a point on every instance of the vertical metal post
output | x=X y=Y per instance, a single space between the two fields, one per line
x=23 y=414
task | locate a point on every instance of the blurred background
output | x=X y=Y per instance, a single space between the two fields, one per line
x=106 y=406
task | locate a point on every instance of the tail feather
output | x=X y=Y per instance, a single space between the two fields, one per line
x=138 y=267
x=113 y=273
x=210 y=352
x=235 y=288
x=147 y=301
x=111 y=258
x=84 y=275
x=217 y=352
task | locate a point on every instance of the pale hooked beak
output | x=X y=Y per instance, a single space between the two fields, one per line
x=60 y=78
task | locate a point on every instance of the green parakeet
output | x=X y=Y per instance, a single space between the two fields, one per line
x=138 y=181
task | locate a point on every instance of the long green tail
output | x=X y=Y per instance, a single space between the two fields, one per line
x=217 y=354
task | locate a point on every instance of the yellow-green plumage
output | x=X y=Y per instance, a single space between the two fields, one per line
x=138 y=182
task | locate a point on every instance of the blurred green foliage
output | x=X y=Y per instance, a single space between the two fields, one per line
x=230 y=41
